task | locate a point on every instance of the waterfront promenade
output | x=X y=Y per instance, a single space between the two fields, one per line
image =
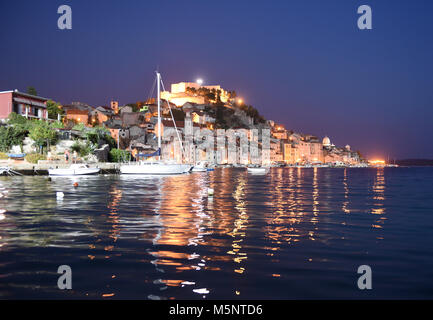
x=42 y=167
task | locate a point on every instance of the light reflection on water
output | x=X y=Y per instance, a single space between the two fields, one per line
x=293 y=233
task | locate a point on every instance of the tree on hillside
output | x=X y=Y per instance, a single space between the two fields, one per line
x=57 y=125
x=17 y=119
x=136 y=106
x=220 y=120
x=232 y=94
x=42 y=134
x=54 y=109
x=32 y=91
x=98 y=136
x=252 y=112
x=11 y=136
x=191 y=90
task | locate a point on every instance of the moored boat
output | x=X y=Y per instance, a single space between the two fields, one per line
x=157 y=167
x=200 y=167
x=259 y=170
x=74 y=170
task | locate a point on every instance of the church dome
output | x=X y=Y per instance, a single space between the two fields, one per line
x=326 y=142
x=347 y=147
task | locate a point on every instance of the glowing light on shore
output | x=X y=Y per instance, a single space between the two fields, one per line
x=199 y=81
x=377 y=161
x=240 y=101
x=195 y=118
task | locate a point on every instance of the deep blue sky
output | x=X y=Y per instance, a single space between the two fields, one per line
x=303 y=63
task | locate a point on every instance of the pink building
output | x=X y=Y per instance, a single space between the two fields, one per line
x=24 y=104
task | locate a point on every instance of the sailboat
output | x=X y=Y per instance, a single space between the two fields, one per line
x=159 y=167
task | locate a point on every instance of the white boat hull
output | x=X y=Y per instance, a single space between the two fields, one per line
x=73 y=172
x=257 y=170
x=155 y=168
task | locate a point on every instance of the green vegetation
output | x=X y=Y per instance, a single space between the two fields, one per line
x=224 y=118
x=11 y=136
x=79 y=127
x=252 y=112
x=210 y=95
x=136 y=106
x=117 y=155
x=83 y=149
x=32 y=91
x=15 y=133
x=57 y=125
x=221 y=117
x=94 y=137
x=35 y=157
x=98 y=136
x=42 y=133
x=19 y=127
x=18 y=120
x=54 y=109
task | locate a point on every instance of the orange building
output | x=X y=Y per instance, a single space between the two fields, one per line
x=100 y=115
x=78 y=116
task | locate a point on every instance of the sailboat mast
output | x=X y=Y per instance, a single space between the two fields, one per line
x=158 y=80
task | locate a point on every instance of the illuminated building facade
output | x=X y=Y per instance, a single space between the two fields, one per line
x=180 y=95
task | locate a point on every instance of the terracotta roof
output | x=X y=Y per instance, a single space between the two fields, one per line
x=77 y=111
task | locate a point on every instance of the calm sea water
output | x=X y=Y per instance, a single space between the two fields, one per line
x=290 y=234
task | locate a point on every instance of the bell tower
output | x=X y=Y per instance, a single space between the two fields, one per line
x=114 y=106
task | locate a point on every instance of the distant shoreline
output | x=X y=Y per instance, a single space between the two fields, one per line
x=415 y=162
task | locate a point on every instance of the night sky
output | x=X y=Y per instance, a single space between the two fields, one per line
x=302 y=63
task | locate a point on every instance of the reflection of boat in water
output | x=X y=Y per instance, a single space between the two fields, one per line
x=157 y=167
x=74 y=170
x=257 y=170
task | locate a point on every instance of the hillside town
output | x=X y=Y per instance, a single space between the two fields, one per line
x=38 y=129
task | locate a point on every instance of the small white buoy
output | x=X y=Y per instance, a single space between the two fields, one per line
x=60 y=195
x=210 y=192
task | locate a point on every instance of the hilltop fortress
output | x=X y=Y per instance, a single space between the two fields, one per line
x=286 y=146
x=184 y=92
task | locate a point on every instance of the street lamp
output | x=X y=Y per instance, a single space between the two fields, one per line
x=199 y=81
